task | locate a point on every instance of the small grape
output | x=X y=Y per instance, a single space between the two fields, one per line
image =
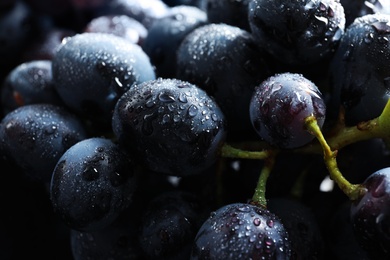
x=279 y=107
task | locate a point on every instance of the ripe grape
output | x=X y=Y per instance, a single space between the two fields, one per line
x=370 y=215
x=242 y=231
x=181 y=126
x=29 y=83
x=92 y=70
x=279 y=107
x=297 y=32
x=92 y=183
x=359 y=72
x=35 y=136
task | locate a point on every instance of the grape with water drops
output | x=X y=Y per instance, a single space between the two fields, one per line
x=201 y=129
x=242 y=230
x=279 y=106
x=360 y=69
x=92 y=183
x=182 y=127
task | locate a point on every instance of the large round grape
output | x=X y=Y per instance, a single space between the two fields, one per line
x=92 y=70
x=170 y=125
x=242 y=231
x=92 y=183
x=35 y=136
x=279 y=107
x=370 y=215
x=360 y=69
x=297 y=32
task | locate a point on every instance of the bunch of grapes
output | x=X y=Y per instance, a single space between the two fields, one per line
x=195 y=129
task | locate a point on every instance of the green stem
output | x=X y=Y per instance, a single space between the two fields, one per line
x=231 y=152
x=353 y=191
x=376 y=128
x=259 y=197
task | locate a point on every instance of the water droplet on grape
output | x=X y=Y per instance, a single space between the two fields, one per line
x=193 y=110
x=166 y=97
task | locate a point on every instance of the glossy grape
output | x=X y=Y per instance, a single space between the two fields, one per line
x=29 y=83
x=359 y=70
x=297 y=32
x=35 y=136
x=244 y=231
x=92 y=183
x=370 y=215
x=92 y=70
x=279 y=107
x=180 y=124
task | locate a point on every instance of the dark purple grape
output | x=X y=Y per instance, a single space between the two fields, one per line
x=171 y=126
x=297 y=32
x=92 y=183
x=370 y=215
x=119 y=25
x=35 y=136
x=242 y=231
x=225 y=61
x=29 y=83
x=92 y=70
x=279 y=107
x=360 y=70
x=232 y=12
x=169 y=225
x=166 y=34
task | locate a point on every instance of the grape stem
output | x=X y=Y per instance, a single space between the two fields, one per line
x=232 y=152
x=259 y=197
x=376 y=128
x=353 y=191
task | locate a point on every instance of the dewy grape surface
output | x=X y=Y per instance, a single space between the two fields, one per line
x=195 y=129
